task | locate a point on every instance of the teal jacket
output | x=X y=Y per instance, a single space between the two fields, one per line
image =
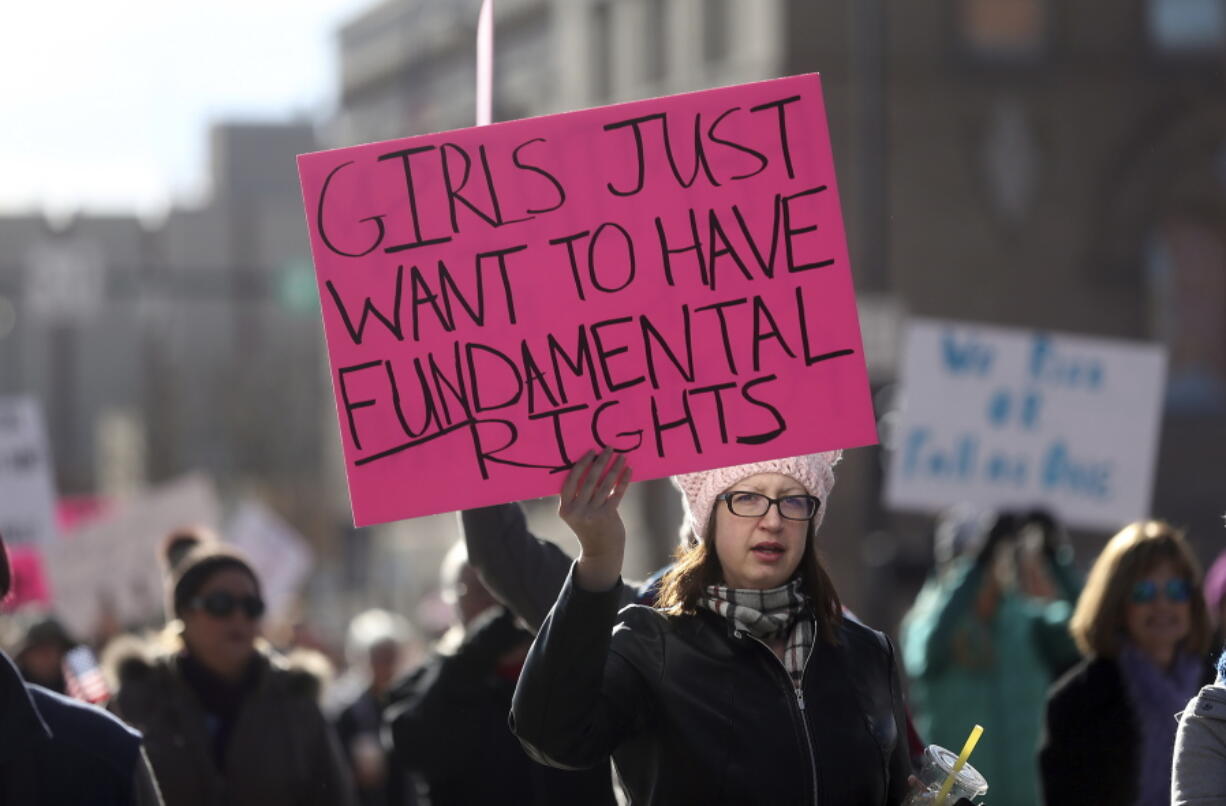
x=965 y=671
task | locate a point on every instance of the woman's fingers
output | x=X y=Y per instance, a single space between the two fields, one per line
x=593 y=479
x=575 y=477
x=608 y=482
x=623 y=484
x=596 y=483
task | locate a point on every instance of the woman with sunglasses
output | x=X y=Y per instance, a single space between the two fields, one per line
x=1142 y=625
x=744 y=684
x=225 y=720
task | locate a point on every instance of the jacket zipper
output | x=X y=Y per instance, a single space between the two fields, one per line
x=800 y=704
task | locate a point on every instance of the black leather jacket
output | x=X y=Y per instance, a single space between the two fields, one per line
x=695 y=713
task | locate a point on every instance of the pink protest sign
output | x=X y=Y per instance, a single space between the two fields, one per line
x=29 y=584
x=667 y=277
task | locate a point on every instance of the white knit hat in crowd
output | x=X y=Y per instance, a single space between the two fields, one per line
x=815 y=471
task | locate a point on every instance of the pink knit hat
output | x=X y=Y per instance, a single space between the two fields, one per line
x=815 y=471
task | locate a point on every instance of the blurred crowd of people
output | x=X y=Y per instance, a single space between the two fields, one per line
x=1102 y=688
x=1080 y=683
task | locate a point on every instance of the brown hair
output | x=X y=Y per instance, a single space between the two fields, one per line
x=696 y=566
x=1098 y=623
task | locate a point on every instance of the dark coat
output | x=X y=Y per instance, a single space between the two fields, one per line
x=281 y=751
x=523 y=571
x=1090 y=746
x=449 y=725
x=56 y=751
x=695 y=713
x=363 y=719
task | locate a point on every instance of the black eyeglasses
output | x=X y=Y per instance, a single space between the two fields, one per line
x=1175 y=590
x=755 y=505
x=220 y=604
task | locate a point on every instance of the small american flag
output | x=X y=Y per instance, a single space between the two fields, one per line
x=84 y=677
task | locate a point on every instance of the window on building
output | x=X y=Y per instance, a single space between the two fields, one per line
x=655 y=40
x=1186 y=26
x=525 y=66
x=716 y=30
x=1003 y=29
x=602 y=51
x=1186 y=268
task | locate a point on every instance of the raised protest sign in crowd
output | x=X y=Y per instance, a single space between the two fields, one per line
x=668 y=277
x=562 y=306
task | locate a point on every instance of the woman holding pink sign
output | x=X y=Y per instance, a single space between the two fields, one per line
x=744 y=684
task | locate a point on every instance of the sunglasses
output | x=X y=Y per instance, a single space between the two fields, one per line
x=221 y=604
x=1175 y=590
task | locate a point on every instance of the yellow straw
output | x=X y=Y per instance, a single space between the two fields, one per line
x=971 y=741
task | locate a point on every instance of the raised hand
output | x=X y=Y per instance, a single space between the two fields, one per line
x=590 y=496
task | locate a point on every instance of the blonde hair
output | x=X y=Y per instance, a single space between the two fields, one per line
x=1098 y=623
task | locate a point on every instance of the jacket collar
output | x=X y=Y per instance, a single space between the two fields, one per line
x=1210 y=703
x=720 y=636
x=22 y=723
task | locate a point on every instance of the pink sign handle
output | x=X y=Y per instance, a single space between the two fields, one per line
x=485 y=64
x=666 y=277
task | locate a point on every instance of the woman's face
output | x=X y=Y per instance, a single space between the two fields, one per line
x=1155 y=620
x=762 y=552
x=223 y=643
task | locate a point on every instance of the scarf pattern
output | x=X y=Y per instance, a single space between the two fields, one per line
x=766 y=614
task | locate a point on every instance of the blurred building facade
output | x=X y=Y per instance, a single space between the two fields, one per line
x=1019 y=162
x=190 y=345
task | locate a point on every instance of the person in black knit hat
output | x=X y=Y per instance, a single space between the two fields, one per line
x=226 y=720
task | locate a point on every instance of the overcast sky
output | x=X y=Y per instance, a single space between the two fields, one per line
x=106 y=106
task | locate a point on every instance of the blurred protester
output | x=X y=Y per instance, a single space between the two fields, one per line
x=377 y=648
x=523 y=571
x=1142 y=625
x=55 y=751
x=986 y=637
x=37 y=643
x=225 y=720
x=293 y=634
x=1199 y=774
x=449 y=723
x=1215 y=599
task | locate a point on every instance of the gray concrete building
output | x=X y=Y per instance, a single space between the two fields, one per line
x=407 y=67
x=195 y=332
x=1021 y=162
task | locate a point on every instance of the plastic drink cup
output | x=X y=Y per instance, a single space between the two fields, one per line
x=937 y=766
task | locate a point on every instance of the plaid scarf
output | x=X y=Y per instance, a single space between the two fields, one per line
x=766 y=614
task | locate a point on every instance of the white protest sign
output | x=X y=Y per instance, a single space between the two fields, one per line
x=281 y=557
x=112 y=566
x=27 y=487
x=1011 y=418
